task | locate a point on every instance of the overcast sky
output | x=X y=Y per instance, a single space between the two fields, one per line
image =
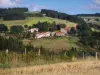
x=66 y=6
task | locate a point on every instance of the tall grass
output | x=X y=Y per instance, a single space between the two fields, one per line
x=72 y=68
x=31 y=58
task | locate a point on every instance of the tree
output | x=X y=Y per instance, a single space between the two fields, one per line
x=62 y=25
x=25 y=26
x=43 y=26
x=3 y=28
x=29 y=27
x=72 y=31
x=84 y=30
x=27 y=35
x=34 y=34
x=97 y=19
x=16 y=29
x=58 y=27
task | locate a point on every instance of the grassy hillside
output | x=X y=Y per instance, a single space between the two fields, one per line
x=33 y=20
x=55 y=43
x=92 y=20
x=72 y=68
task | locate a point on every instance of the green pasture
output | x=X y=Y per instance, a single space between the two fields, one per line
x=33 y=20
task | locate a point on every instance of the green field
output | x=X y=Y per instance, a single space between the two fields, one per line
x=33 y=20
x=54 y=43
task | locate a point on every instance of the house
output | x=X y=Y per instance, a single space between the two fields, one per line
x=32 y=30
x=39 y=35
x=43 y=34
x=60 y=34
x=47 y=34
x=63 y=30
x=53 y=33
x=68 y=29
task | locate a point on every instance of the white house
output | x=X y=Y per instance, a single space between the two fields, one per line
x=53 y=33
x=32 y=30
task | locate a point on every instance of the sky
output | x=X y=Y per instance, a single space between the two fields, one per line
x=66 y=6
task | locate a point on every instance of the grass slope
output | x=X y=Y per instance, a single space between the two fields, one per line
x=55 y=43
x=33 y=20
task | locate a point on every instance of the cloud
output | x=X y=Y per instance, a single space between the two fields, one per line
x=97 y=2
x=95 y=5
x=9 y=3
x=35 y=7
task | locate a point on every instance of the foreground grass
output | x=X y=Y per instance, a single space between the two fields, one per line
x=71 y=68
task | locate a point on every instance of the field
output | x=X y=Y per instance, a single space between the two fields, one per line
x=55 y=43
x=71 y=68
x=33 y=20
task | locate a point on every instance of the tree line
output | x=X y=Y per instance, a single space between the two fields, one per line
x=13 y=13
x=89 y=15
x=59 y=15
x=33 y=14
x=45 y=26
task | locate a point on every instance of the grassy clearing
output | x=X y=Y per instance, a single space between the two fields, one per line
x=33 y=20
x=14 y=22
x=54 y=43
x=95 y=30
x=72 y=68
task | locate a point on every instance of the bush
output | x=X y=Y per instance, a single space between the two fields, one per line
x=5 y=66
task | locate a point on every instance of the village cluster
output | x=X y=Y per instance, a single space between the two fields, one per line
x=61 y=32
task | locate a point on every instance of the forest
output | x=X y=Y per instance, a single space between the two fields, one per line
x=59 y=15
x=13 y=13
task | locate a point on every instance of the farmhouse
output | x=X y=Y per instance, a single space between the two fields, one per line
x=63 y=30
x=68 y=29
x=53 y=33
x=32 y=30
x=60 y=34
x=43 y=34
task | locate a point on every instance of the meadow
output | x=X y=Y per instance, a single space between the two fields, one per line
x=54 y=42
x=33 y=20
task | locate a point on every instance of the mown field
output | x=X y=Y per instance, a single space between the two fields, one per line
x=33 y=20
x=72 y=68
x=55 y=43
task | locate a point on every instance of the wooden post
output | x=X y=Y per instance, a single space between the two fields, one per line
x=25 y=50
x=65 y=53
x=7 y=51
x=7 y=55
x=83 y=55
x=96 y=56
x=39 y=52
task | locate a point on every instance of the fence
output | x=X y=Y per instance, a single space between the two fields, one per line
x=35 y=58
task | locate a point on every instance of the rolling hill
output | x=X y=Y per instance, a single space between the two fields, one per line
x=33 y=20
